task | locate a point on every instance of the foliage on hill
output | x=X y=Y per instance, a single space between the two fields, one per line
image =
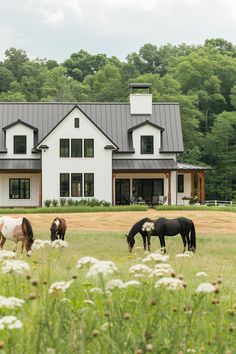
x=202 y=78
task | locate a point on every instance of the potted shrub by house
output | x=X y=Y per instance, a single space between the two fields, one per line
x=186 y=200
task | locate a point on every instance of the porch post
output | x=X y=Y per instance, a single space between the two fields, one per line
x=202 y=188
x=40 y=190
x=169 y=188
x=113 y=188
x=198 y=188
x=192 y=184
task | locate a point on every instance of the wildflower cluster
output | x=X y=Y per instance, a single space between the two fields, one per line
x=39 y=244
x=148 y=226
x=60 y=286
x=10 y=322
x=15 y=266
x=6 y=254
x=10 y=302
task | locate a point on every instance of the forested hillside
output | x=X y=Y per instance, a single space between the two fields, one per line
x=202 y=78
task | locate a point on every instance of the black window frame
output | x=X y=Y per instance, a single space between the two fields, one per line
x=143 y=145
x=76 y=123
x=62 y=194
x=80 y=175
x=76 y=151
x=87 y=147
x=86 y=194
x=16 y=145
x=180 y=183
x=23 y=192
x=61 y=147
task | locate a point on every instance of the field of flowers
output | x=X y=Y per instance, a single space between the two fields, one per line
x=90 y=296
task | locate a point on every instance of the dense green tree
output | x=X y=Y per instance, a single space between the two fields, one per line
x=56 y=87
x=15 y=59
x=6 y=78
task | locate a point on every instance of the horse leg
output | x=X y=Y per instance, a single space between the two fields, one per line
x=149 y=242
x=22 y=246
x=15 y=248
x=144 y=242
x=62 y=236
x=188 y=240
x=3 y=240
x=163 y=244
x=184 y=241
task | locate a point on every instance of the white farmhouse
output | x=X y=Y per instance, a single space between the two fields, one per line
x=118 y=152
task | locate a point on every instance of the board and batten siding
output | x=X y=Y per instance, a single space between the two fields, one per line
x=100 y=165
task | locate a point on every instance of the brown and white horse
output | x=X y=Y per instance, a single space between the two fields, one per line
x=16 y=229
x=58 y=229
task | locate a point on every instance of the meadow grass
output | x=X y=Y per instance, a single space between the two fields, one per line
x=137 y=319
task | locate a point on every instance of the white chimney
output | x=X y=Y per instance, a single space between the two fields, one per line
x=140 y=103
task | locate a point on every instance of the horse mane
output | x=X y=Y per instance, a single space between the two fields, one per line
x=27 y=230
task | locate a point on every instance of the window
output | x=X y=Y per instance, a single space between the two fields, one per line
x=88 y=184
x=64 y=148
x=64 y=185
x=20 y=144
x=76 y=122
x=76 y=184
x=88 y=148
x=76 y=147
x=147 y=144
x=19 y=188
x=180 y=183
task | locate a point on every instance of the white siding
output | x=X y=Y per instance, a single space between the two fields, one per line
x=4 y=191
x=100 y=164
x=187 y=189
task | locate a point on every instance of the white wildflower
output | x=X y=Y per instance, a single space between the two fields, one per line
x=39 y=244
x=102 y=268
x=86 y=261
x=183 y=255
x=157 y=257
x=96 y=290
x=205 y=288
x=6 y=254
x=131 y=283
x=59 y=244
x=15 y=266
x=160 y=270
x=148 y=226
x=170 y=283
x=115 y=283
x=60 y=286
x=139 y=268
x=89 y=302
x=201 y=274
x=10 y=302
x=10 y=322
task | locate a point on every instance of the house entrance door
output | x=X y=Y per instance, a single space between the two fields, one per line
x=122 y=191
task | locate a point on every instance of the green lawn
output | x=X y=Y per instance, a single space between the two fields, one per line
x=133 y=320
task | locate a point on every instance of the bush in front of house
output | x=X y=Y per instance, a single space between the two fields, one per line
x=62 y=201
x=55 y=202
x=47 y=203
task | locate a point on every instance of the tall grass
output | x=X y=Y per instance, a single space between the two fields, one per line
x=138 y=319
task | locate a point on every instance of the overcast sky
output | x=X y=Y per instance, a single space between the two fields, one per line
x=54 y=29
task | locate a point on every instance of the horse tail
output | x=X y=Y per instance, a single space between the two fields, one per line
x=193 y=236
x=27 y=230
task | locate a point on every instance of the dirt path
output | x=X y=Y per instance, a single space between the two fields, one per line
x=210 y=222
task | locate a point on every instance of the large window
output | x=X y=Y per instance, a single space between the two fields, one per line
x=88 y=184
x=180 y=183
x=19 y=188
x=64 y=185
x=19 y=144
x=64 y=147
x=76 y=147
x=88 y=148
x=147 y=144
x=76 y=184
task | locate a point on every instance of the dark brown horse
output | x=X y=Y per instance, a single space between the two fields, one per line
x=58 y=229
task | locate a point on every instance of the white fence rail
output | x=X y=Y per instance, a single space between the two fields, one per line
x=222 y=203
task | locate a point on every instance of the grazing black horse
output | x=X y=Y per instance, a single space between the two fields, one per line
x=164 y=227
x=138 y=228
x=58 y=229
x=171 y=227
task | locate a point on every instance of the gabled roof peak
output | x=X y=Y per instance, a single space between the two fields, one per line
x=19 y=121
x=144 y=123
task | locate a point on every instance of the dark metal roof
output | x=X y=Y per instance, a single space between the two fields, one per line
x=19 y=121
x=187 y=166
x=20 y=164
x=114 y=119
x=140 y=164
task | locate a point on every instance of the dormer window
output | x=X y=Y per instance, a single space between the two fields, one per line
x=20 y=144
x=147 y=144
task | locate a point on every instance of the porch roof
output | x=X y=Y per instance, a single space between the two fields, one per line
x=143 y=164
x=20 y=164
x=188 y=167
